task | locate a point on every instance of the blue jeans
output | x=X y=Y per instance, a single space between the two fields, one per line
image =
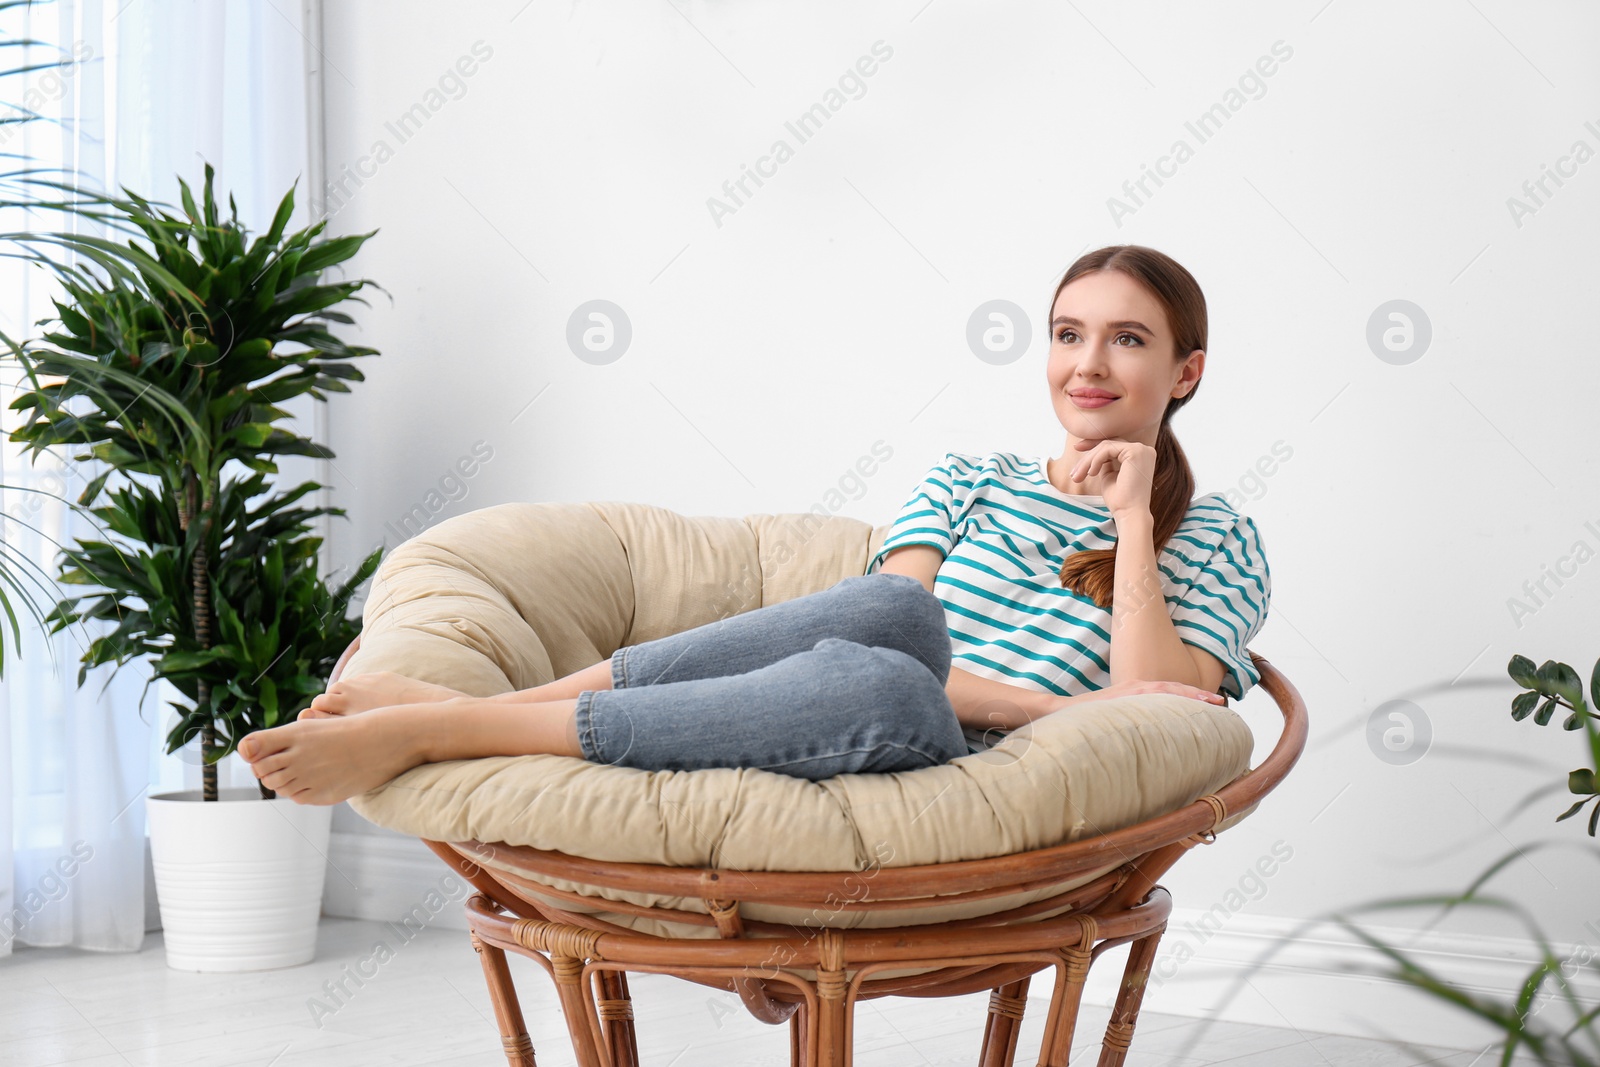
x=845 y=680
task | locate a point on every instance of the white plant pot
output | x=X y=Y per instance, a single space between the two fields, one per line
x=239 y=879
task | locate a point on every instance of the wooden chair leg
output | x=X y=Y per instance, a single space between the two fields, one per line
x=832 y=1040
x=507 y=1012
x=616 y=1018
x=833 y=1006
x=1006 y=1004
x=574 y=1005
x=1065 y=1000
x=797 y=1038
x=1125 y=1015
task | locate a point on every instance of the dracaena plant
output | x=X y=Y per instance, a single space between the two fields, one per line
x=174 y=341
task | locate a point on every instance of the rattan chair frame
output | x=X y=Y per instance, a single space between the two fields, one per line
x=588 y=958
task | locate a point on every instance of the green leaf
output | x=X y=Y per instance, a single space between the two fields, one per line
x=1523 y=672
x=325 y=254
x=1570 y=812
x=281 y=219
x=1522 y=705
x=1570 y=686
x=173 y=662
x=1594 y=681
x=304 y=684
x=1558 y=679
x=1545 y=711
x=1581 y=781
x=253 y=434
x=92 y=490
x=269 y=702
x=259 y=463
x=340 y=370
x=272 y=573
x=229 y=622
x=187 y=197
x=255 y=348
x=202 y=354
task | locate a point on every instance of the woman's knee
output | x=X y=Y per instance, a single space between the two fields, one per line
x=917 y=709
x=912 y=620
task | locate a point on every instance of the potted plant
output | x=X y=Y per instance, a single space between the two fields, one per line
x=1516 y=1018
x=171 y=350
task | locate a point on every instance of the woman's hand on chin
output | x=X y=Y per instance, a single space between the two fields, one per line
x=1127 y=470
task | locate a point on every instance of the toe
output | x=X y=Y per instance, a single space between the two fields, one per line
x=277 y=781
x=263 y=743
x=270 y=765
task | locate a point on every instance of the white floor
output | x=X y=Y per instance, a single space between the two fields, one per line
x=425 y=1003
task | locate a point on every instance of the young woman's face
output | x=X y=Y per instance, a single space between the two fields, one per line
x=1108 y=334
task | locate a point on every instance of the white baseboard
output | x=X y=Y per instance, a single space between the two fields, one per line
x=1325 y=979
x=1318 y=981
x=381 y=877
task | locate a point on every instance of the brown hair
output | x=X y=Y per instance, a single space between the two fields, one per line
x=1093 y=573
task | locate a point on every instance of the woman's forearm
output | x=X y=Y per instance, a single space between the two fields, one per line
x=1144 y=639
x=987 y=703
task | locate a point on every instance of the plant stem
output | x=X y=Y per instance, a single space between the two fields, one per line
x=200 y=585
x=208 y=745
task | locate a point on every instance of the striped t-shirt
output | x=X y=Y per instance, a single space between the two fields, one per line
x=1005 y=531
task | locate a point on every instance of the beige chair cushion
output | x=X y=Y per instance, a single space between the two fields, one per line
x=514 y=595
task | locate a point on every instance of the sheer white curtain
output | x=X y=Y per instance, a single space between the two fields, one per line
x=163 y=86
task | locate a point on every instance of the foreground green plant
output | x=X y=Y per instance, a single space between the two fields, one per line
x=1516 y=1017
x=1558 y=685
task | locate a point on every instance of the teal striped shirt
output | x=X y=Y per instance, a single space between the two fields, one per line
x=1005 y=532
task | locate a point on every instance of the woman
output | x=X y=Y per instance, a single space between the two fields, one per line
x=1006 y=589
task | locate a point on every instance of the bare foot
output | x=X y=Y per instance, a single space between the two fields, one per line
x=331 y=758
x=374 y=689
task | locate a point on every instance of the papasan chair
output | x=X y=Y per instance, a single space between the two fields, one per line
x=802 y=897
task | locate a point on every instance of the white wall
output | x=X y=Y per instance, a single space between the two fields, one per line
x=769 y=353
